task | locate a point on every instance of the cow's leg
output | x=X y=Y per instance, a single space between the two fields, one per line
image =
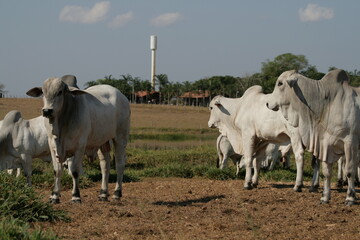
x=327 y=171
x=104 y=157
x=220 y=159
x=237 y=167
x=340 y=179
x=357 y=182
x=315 y=163
x=351 y=152
x=27 y=162
x=75 y=165
x=299 y=159
x=223 y=163
x=248 y=171
x=272 y=164
x=120 y=161
x=256 y=166
x=18 y=172
x=58 y=171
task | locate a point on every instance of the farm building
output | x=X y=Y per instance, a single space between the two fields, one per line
x=199 y=98
x=147 y=97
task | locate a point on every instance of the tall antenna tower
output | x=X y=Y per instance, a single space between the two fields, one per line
x=153 y=46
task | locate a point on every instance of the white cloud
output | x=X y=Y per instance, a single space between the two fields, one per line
x=85 y=15
x=314 y=12
x=121 y=20
x=165 y=19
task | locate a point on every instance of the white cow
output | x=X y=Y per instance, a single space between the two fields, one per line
x=250 y=126
x=326 y=114
x=268 y=156
x=225 y=151
x=80 y=122
x=276 y=153
x=22 y=140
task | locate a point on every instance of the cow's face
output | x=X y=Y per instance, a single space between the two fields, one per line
x=215 y=112
x=54 y=91
x=280 y=97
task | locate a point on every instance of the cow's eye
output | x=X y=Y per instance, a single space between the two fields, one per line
x=59 y=93
x=211 y=108
x=280 y=84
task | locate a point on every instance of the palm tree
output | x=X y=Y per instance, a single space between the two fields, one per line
x=162 y=80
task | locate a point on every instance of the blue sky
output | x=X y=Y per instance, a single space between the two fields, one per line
x=196 y=38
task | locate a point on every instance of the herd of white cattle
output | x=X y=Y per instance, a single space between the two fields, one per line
x=319 y=116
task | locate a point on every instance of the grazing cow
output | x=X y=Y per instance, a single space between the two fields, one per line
x=249 y=131
x=326 y=115
x=22 y=140
x=80 y=122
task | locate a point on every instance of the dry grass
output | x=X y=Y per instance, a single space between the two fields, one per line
x=165 y=116
x=29 y=107
x=142 y=115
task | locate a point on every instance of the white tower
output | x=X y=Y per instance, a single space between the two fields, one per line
x=153 y=46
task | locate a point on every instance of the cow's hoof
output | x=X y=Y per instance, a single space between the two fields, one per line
x=54 y=200
x=255 y=185
x=314 y=189
x=349 y=203
x=76 y=200
x=117 y=194
x=249 y=187
x=103 y=199
x=324 y=201
x=297 y=189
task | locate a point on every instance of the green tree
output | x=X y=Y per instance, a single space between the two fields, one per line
x=162 y=80
x=271 y=70
x=312 y=72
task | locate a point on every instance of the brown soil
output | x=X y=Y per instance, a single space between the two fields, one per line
x=177 y=208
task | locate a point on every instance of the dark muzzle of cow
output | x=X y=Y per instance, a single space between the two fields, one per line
x=47 y=112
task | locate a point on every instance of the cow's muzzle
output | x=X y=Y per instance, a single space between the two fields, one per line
x=47 y=112
x=274 y=108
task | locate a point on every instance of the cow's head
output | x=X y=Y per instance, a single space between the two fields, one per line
x=215 y=112
x=54 y=92
x=283 y=94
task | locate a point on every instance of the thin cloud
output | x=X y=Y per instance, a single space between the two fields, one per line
x=314 y=12
x=80 y=14
x=165 y=19
x=121 y=20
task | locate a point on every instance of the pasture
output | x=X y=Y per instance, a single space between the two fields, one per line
x=173 y=190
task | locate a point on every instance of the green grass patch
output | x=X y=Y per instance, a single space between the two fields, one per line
x=22 y=202
x=11 y=228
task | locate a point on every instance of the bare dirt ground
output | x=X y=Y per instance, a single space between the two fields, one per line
x=175 y=208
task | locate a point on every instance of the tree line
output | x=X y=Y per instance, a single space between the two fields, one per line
x=228 y=86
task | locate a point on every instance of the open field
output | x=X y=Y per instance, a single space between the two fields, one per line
x=174 y=191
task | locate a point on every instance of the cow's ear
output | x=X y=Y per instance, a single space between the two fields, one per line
x=35 y=92
x=217 y=102
x=75 y=91
x=292 y=82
